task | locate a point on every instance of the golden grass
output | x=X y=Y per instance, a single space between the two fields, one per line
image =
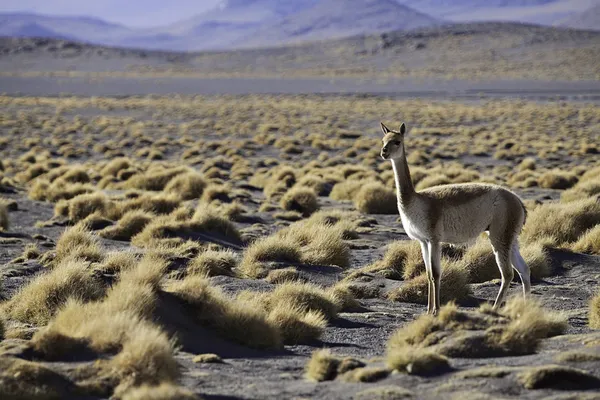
x=78 y=242
x=374 y=198
x=416 y=361
x=577 y=356
x=305 y=296
x=583 y=189
x=234 y=320
x=365 y=374
x=324 y=366
x=187 y=186
x=115 y=262
x=346 y=190
x=84 y=205
x=589 y=242
x=283 y=275
x=296 y=324
x=37 y=302
x=270 y=248
x=454 y=286
x=594 y=313
x=558 y=377
x=57 y=190
x=213 y=263
x=154 y=179
x=516 y=329
x=21 y=379
x=300 y=199
x=557 y=179
x=310 y=242
x=130 y=224
x=561 y=223
x=207 y=358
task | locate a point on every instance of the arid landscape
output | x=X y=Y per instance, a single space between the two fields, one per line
x=222 y=226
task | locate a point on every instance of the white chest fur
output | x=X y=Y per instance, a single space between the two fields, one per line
x=415 y=223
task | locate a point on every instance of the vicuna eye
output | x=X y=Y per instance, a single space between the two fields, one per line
x=397 y=142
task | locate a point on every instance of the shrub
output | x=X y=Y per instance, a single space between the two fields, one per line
x=557 y=179
x=78 y=242
x=37 y=302
x=187 y=186
x=129 y=225
x=560 y=224
x=374 y=198
x=300 y=199
x=213 y=263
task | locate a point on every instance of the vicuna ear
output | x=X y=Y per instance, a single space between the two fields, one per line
x=402 y=129
x=385 y=129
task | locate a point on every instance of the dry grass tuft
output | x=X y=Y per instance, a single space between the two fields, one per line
x=208 y=358
x=561 y=223
x=164 y=391
x=323 y=366
x=305 y=296
x=278 y=276
x=558 y=377
x=346 y=190
x=20 y=379
x=583 y=189
x=297 y=325
x=187 y=186
x=116 y=262
x=300 y=199
x=268 y=249
x=233 y=319
x=557 y=179
x=78 y=242
x=454 y=286
x=129 y=225
x=310 y=242
x=594 y=313
x=85 y=205
x=516 y=330
x=417 y=361
x=213 y=263
x=37 y=302
x=589 y=242
x=365 y=374
x=578 y=356
x=374 y=198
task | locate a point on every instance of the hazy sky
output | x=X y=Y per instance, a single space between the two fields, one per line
x=127 y=12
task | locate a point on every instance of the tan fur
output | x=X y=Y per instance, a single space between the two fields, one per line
x=457 y=214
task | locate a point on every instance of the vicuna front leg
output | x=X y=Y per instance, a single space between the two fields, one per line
x=432 y=257
x=430 y=288
x=435 y=254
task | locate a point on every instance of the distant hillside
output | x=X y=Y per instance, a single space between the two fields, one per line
x=340 y=18
x=589 y=19
x=261 y=23
x=76 y=28
x=545 y=12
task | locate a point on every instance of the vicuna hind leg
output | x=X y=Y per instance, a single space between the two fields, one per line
x=522 y=268
x=502 y=253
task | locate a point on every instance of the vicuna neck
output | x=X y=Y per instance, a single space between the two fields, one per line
x=405 y=190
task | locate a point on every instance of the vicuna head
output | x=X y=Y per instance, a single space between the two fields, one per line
x=393 y=142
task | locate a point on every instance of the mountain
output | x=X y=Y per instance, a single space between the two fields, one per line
x=329 y=19
x=545 y=12
x=589 y=19
x=75 y=28
x=233 y=20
